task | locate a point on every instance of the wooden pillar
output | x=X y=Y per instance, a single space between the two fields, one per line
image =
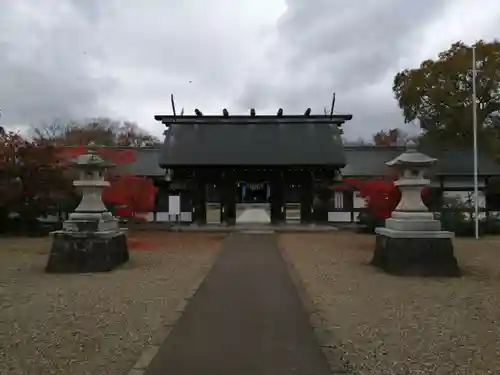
x=485 y=194
x=277 y=198
x=157 y=201
x=199 y=200
x=306 y=197
x=228 y=198
x=351 y=193
x=222 y=216
x=186 y=201
x=325 y=194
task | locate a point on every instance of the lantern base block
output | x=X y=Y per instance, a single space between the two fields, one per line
x=415 y=253
x=91 y=222
x=83 y=252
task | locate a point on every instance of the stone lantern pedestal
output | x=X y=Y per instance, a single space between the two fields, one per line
x=412 y=242
x=90 y=240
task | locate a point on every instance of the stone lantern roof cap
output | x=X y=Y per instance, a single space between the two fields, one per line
x=91 y=160
x=411 y=157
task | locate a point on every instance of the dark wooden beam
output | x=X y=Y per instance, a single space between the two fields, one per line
x=250 y=119
x=277 y=197
x=306 y=197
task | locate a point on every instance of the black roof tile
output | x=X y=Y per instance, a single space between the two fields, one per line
x=370 y=161
x=361 y=161
x=259 y=140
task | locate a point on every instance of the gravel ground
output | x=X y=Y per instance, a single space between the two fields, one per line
x=382 y=324
x=93 y=323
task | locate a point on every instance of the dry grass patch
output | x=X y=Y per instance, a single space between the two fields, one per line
x=94 y=323
x=384 y=324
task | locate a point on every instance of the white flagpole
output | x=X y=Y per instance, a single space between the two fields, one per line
x=474 y=125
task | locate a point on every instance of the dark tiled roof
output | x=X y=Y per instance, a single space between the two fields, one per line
x=361 y=161
x=260 y=140
x=461 y=162
x=370 y=161
x=146 y=163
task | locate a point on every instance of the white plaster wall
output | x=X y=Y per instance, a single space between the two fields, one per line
x=339 y=217
x=357 y=200
x=186 y=216
x=162 y=217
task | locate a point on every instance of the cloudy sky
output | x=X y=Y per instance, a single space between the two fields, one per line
x=123 y=58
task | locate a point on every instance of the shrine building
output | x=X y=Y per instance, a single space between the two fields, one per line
x=288 y=163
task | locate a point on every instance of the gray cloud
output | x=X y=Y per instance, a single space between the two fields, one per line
x=332 y=45
x=46 y=64
x=353 y=48
x=121 y=58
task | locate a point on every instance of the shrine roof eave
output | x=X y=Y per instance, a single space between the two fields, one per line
x=294 y=167
x=248 y=119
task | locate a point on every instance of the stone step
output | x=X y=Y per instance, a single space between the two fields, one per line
x=391 y=233
x=413 y=225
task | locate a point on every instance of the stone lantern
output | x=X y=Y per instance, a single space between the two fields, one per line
x=412 y=242
x=91 y=239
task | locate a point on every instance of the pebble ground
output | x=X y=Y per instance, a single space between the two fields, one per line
x=94 y=323
x=380 y=324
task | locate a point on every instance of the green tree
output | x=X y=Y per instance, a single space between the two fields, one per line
x=438 y=95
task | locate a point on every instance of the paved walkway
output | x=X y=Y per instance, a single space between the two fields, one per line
x=245 y=319
x=253 y=215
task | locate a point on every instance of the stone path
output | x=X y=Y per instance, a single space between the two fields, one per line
x=253 y=215
x=246 y=319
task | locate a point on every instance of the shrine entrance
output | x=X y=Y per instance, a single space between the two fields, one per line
x=253 y=205
x=255 y=168
x=256 y=192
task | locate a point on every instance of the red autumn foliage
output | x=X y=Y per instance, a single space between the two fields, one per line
x=381 y=196
x=32 y=176
x=115 y=156
x=132 y=195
